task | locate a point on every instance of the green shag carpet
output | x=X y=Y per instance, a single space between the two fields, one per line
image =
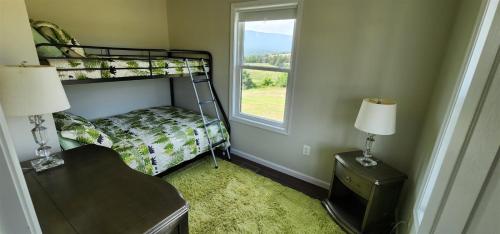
x=232 y=199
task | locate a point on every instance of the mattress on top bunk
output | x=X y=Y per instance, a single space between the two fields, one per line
x=154 y=139
x=88 y=68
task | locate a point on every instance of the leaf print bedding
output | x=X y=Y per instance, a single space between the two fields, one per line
x=99 y=68
x=77 y=128
x=155 y=139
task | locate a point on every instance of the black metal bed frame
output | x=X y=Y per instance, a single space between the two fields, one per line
x=141 y=54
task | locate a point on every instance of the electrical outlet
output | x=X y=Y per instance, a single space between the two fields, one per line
x=306 y=150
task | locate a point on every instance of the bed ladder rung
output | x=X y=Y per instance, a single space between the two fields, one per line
x=211 y=122
x=206 y=102
x=201 y=81
x=214 y=145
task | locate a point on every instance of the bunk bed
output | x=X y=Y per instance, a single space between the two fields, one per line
x=149 y=140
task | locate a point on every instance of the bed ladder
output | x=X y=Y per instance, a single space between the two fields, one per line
x=201 y=103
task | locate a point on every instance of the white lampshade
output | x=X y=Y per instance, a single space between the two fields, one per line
x=31 y=90
x=377 y=116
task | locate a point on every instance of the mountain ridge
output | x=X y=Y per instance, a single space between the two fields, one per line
x=261 y=43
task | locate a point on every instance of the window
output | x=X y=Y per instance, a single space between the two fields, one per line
x=262 y=62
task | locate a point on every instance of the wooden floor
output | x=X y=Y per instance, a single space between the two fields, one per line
x=284 y=179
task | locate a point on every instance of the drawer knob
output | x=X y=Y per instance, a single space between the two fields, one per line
x=348 y=179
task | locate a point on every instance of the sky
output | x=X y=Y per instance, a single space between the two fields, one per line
x=272 y=26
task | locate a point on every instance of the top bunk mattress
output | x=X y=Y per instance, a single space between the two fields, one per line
x=155 y=139
x=100 y=68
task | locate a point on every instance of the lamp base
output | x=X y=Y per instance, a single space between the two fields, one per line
x=46 y=163
x=366 y=161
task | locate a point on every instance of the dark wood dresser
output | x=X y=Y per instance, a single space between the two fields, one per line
x=363 y=199
x=95 y=192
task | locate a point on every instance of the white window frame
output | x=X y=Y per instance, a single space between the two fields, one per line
x=236 y=65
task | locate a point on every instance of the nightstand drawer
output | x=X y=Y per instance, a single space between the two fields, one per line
x=357 y=184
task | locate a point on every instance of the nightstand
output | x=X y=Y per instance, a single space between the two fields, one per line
x=363 y=199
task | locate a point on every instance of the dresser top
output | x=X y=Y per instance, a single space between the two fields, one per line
x=95 y=192
x=379 y=174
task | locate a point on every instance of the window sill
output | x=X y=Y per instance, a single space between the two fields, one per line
x=253 y=123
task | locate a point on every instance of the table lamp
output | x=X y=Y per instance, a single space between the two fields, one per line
x=377 y=116
x=27 y=90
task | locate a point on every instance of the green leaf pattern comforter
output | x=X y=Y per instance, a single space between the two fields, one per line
x=114 y=68
x=155 y=139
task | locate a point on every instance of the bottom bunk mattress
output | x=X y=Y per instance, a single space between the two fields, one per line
x=155 y=139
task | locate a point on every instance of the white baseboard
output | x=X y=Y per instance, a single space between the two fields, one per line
x=286 y=170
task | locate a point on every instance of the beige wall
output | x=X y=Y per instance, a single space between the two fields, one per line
x=16 y=45
x=348 y=50
x=126 y=23
x=456 y=52
x=118 y=23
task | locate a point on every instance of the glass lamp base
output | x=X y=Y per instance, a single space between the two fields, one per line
x=46 y=163
x=366 y=162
